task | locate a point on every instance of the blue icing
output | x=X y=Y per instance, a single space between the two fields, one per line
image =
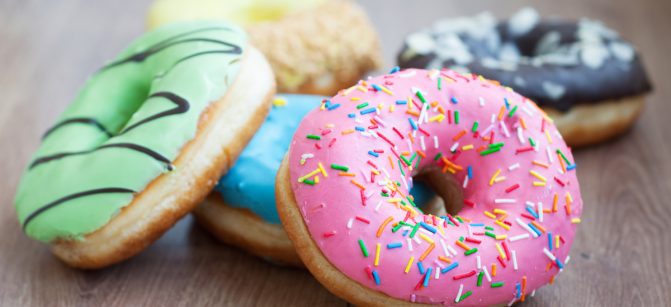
x=250 y=183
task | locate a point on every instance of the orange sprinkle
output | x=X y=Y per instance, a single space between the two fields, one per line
x=501 y=111
x=427 y=251
x=357 y=184
x=462 y=245
x=383 y=225
x=459 y=135
x=412 y=112
x=493 y=269
x=541 y=228
x=391 y=162
x=554 y=203
x=539 y=163
x=444 y=259
x=421 y=153
x=346 y=174
x=523 y=123
x=345 y=132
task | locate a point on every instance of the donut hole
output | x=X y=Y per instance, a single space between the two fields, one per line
x=450 y=197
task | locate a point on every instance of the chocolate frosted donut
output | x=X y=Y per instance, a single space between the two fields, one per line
x=565 y=67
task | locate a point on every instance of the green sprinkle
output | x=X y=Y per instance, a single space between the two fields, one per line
x=439 y=83
x=400 y=167
x=496 y=145
x=489 y=228
x=340 y=167
x=475 y=126
x=459 y=219
x=314 y=137
x=308 y=181
x=438 y=155
x=363 y=105
x=461 y=239
x=414 y=231
x=531 y=141
x=563 y=156
x=489 y=151
x=512 y=112
x=404 y=223
x=403 y=203
x=411 y=202
x=497 y=284
x=490 y=234
x=384 y=194
x=414 y=155
x=397 y=227
x=363 y=248
x=420 y=96
x=417 y=163
x=398 y=184
x=467 y=294
x=480 y=278
x=471 y=251
x=456 y=117
x=406 y=161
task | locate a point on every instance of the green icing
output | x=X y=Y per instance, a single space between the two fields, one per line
x=191 y=61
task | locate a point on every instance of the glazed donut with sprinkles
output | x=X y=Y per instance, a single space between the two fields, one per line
x=507 y=177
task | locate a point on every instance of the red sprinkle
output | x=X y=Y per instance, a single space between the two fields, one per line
x=385 y=138
x=365 y=220
x=332 y=142
x=505 y=248
x=472 y=240
x=524 y=149
x=398 y=132
x=512 y=188
x=469 y=203
x=423 y=131
x=465 y=275
x=559 y=181
x=371 y=164
x=329 y=234
x=528 y=216
x=327 y=131
x=501 y=261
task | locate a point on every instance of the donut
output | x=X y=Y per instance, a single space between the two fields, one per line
x=241 y=211
x=293 y=35
x=583 y=74
x=144 y=142
x=507 y=178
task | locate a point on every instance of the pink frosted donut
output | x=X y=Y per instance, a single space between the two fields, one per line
x=343 y=192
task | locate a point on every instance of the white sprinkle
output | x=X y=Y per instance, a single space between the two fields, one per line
x=421 y=142
x=306 y=156
x=489 y=278
x=519 y=237
x=442 y=244
x=482 y=101
x=465 y=182
x=409 y=243
x=514 y=166
x=435 y=142
x=525 y=226
x=461 y=288
x=437 y=276
x=514 y=259
x=416 y=239
x=547 y=149
x=512 y=301
x=439 y=264
x=567 y=259
x=479 y=262
x=505 y=129
x=405 y=183
x=533 y=293
x=505 y=201
x=540 y=212
x=549 y=254
x=377 y=207
x=368 y=134
x=451 y=249
x=524 y=108
x=409 y=145
x=454 y=147
x=408 y=75
x=520 y=137
x=380 y=121
x=486 y=132
x=384 y=170
x=363 y=173
x=349 y=223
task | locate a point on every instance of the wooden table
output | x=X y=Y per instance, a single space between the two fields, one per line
x=48 y=49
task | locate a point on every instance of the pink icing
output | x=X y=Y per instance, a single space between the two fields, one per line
x=337 y=217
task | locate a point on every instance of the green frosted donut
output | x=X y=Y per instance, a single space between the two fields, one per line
x=125 y=128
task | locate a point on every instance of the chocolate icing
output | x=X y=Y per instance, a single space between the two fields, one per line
x=588 y=63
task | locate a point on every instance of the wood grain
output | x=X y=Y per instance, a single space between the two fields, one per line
x=49 y=48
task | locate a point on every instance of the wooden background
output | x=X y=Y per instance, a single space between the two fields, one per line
x=48 y=48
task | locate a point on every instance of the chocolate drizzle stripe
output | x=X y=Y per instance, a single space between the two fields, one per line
x=61 y=200
x=130 y=146
x=78 y=120
x=182 y=106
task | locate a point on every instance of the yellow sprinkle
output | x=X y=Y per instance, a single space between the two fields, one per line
x=391 y=108
x=439 y=118
x=361 y=88
x=347 y=91
x=355 y=98
x=380 y=106
x=394 y=200
x=467 y=147
x=377 y=254
x=330 y=125
x=409 y=104
x=575 y=220
x=500 y=211
x=547 y=134
x=407 y=267
x=315 y=172
x=537 y=175
x=321 y=168
x=557 y=241
x=279 y=102
x=316 y=179
x=506 y=227
x=501 y=237
x=426 y=238
x=345 y=132
x=386 y=90
x=374 y=171
x=499 y=179
x=490 y=215
x=498 y=248
x=491 y=181
x=539 y=184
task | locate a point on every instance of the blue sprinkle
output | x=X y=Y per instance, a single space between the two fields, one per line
x=376 y=277
x=412 y=123
x=427 y=227
x=351 y=115
x=394 y=70
x=394 y=245
x=372 y=153
x=333 y=107
x=366 y=111
x=505 y=100
x=538 y=232
x=405 y=232
x=470 y=172
x=401 y=102
x=549 y=240
x=518 y=290
x=532 y=212
x=454 y=100
x=559 y=264
x=359 y=128
x=421 y=268
x=571 y=167
x=427 y=277
x=377 y=87
x=477 y=224
x=449 y=267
